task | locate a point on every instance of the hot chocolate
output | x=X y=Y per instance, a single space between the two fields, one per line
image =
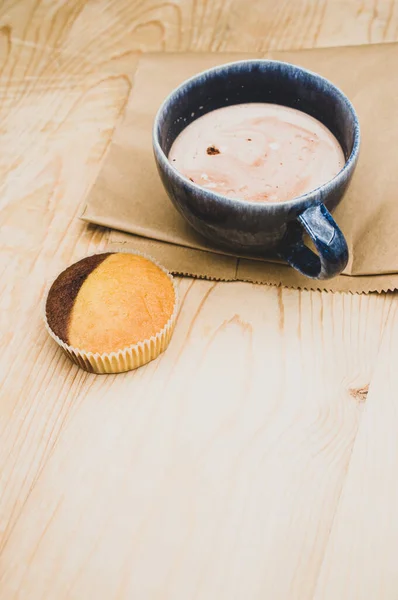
x=257 y=152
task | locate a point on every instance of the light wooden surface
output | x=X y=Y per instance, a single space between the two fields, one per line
x=257 y=458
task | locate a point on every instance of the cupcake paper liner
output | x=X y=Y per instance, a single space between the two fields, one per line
x=126 y=359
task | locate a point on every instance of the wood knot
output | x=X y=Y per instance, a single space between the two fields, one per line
x=360 y=394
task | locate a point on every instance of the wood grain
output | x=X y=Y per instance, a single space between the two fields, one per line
x=360 y=559
x=225 y=457
x=230 y=467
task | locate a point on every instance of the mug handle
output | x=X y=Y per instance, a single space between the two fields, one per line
x=332 y=248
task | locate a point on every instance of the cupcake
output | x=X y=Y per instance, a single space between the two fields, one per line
x=112 y=312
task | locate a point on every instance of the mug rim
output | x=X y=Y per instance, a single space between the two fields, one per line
x=234 y=202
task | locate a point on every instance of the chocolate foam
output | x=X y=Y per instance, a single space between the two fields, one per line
x=257 y=152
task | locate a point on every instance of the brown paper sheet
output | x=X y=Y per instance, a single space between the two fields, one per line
x=128 y=195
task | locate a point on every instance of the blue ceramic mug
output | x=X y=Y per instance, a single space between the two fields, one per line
x=263 y=229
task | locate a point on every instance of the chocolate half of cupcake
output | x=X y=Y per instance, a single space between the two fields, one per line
x=112 y=312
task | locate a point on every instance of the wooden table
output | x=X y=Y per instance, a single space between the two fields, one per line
x=257 y=458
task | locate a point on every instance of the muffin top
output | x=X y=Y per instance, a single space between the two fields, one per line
x=107 y=302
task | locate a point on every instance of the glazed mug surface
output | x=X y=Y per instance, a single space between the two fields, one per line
x=266 y=228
